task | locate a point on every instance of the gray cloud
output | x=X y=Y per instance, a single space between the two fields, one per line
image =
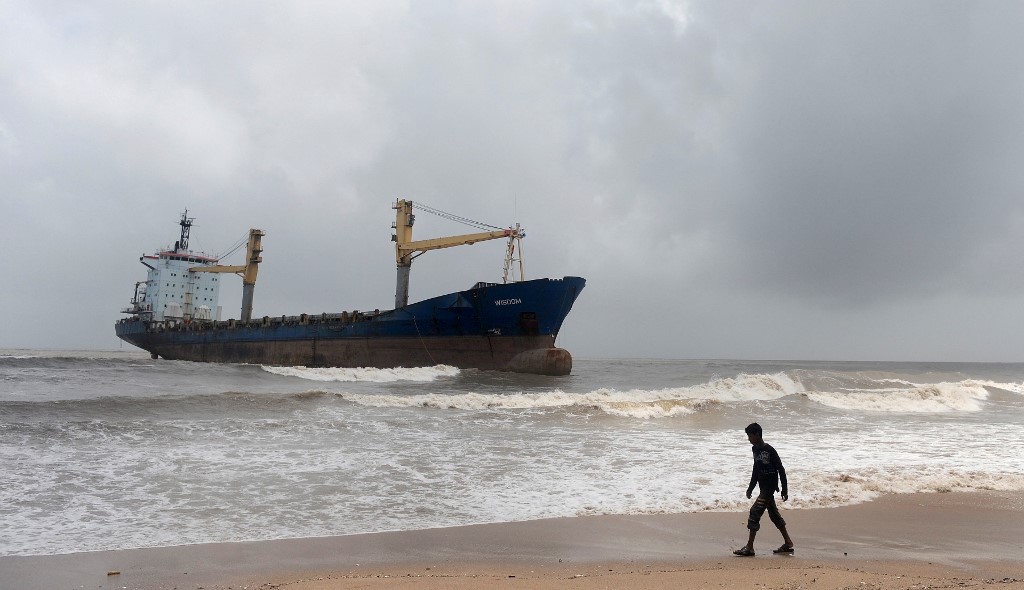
x=875 y=150
x=797 y=179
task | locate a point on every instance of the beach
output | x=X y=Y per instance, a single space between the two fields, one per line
x=938 y=540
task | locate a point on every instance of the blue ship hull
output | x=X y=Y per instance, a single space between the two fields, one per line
x=508 y=327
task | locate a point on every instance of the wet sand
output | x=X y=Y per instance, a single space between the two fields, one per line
x=951 y=540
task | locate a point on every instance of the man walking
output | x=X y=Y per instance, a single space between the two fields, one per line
x=767 y=473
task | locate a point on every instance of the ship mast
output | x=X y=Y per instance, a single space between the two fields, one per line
x=186 y=226
x=406 y=250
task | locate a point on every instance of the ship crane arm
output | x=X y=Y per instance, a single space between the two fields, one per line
x=219 y=268
x=248 y=272
x=406 y=249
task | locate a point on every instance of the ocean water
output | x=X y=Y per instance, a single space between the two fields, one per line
x=110 y=450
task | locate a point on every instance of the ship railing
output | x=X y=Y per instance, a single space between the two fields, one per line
x=195 y=324
x=341 y=318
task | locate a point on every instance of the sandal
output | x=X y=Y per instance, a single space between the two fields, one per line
x=783 y=549
x=744 y=552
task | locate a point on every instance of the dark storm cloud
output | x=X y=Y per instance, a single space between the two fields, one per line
x=874 y=140
x=734 y=179
x=593 y=114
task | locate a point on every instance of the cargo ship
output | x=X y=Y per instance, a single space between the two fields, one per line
x=507 y=326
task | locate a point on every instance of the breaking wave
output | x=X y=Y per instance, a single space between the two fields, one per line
x=365 y=374
x=1017 y=388
x=636 y=403
x=826 y=489
x=965 y=396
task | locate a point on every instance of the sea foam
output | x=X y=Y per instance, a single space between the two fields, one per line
x=964 y=396
x=365 y=374
x=635 y=403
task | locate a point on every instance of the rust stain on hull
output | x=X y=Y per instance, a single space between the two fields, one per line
x=522 y=354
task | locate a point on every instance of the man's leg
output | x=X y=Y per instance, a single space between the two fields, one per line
x=778 y=521
x=754 y=519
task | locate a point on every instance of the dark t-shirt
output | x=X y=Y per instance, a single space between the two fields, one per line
x=768 y=470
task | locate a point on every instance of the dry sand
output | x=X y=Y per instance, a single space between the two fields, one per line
x=953 y=540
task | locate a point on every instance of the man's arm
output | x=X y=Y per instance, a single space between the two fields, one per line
x=753 y=480
x=782 y=476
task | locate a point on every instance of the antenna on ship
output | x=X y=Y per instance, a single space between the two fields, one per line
x=186 y=226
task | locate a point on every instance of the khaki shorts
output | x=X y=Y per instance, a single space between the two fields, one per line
x=764 y=502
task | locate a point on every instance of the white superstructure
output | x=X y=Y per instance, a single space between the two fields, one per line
x=173 y=292
x=170 y=291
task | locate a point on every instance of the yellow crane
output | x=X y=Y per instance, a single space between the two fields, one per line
x=406 y=249
x=247 y=271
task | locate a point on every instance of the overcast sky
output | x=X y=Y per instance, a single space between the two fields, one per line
x=763 y=180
